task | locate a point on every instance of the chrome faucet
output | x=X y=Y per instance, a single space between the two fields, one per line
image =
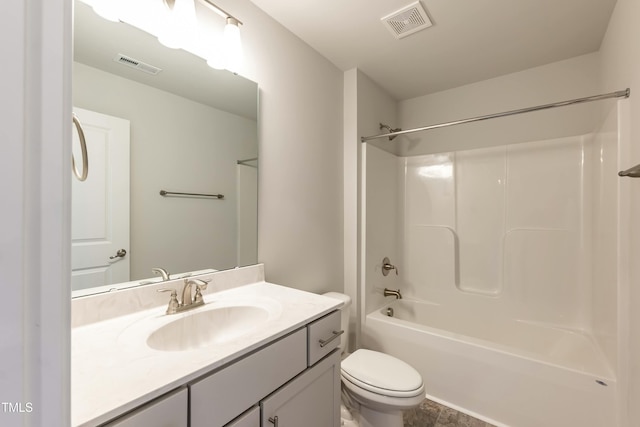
x=392 y=293
x=162 y=272
x=188 y=302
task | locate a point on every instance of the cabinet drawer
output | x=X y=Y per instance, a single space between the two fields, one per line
x=222 y=396
x=324 y=336
x=166 y=411
x=251 y=418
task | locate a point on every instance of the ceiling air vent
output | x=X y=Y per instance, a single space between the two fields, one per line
x=138 y=65
x=407 y=20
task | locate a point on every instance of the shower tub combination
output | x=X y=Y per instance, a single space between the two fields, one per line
x=507 y=372
x=512 y=297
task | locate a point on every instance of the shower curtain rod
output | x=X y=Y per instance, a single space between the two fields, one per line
x=618 y=94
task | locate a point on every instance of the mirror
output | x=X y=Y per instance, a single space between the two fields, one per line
x=191 y=129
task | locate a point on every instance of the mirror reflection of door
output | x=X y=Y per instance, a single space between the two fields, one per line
x=100 y=205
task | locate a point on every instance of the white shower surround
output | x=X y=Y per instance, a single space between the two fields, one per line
x=516 y=240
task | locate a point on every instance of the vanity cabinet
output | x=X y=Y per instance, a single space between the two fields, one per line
x=293 y=381
x=170 y=410
x=220 y=397
x=281 y=378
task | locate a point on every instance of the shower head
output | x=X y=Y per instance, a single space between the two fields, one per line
x=390 y=129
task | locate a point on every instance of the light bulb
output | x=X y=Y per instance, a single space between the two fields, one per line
x=232 y=45
x=108 y=9
x=180 y=27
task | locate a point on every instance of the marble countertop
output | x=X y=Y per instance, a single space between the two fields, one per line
x=113 y=370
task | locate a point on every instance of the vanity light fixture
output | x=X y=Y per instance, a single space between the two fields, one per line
x=228 y=54
x=175 y=24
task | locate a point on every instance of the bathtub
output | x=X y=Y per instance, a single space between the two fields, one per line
x=504 y=371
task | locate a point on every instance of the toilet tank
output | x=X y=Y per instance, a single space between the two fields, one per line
x=344 y=323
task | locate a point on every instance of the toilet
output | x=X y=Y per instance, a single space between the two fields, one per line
x=374 y=384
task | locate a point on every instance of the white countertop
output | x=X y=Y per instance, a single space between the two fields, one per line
x=114 y=371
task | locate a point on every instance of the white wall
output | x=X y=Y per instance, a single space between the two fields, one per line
x=573 y=78
x=35 y=179
x=366 y=106
x=300 y=208
x=351 y=202
x=176 y=145
x=383 y=196
x=621 y=68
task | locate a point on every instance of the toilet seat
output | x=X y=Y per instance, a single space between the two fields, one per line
x=382 y=374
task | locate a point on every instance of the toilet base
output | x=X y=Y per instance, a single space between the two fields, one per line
x=347 y=419
x=372 y=418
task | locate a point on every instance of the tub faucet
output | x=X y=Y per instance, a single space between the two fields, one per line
x=162 y=272
x=392 y=293
x=387 y=266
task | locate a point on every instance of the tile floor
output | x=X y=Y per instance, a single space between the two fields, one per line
x=432 y=414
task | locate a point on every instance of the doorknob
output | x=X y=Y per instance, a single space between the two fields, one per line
x=120 y=254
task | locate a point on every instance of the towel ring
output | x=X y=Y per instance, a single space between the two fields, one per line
x=83 y=147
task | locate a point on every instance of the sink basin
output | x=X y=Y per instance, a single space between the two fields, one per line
x=221 y=321
x=207 y=327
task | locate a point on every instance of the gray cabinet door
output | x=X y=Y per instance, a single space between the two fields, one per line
x=312 y=399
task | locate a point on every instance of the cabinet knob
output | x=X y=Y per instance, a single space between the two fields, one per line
x=274 y=421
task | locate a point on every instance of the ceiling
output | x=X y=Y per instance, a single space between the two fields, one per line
x=470 y=40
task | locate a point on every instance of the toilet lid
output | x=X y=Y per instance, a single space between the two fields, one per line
x=381 y=373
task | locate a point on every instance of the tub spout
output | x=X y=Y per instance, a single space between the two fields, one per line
x=392 y=293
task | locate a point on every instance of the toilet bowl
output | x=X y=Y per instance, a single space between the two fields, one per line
x=381 y=385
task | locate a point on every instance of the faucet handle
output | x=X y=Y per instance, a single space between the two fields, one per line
x=198 y=298
x=173 y=301
x=200 y=286
x=387 y=266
